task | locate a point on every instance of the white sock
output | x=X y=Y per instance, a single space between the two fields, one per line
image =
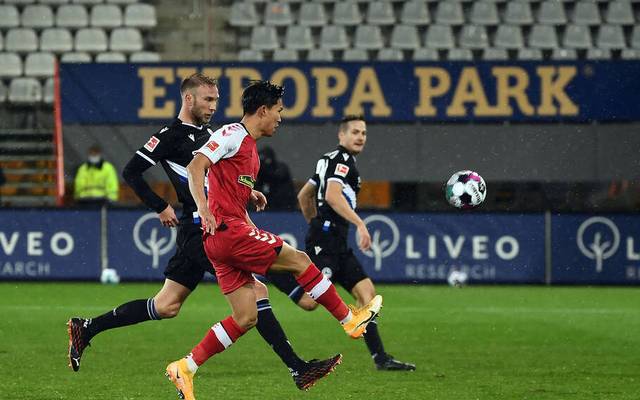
x=347 y=318
x=193 y=367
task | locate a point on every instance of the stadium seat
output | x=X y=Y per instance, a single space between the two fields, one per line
x=285 y=55
x=312 y=14
x=57 y=40
x=122 y=1
x=380 y=13
x=508 y=37
x=564 y=54
x=543 y=37
x=92 y=40
x=1 y=41
x=459 y=54
x=21 y=40
x=439 y=37
x=278 y=14
x=9 y=17
x=144 y=57
x=598 y=54
x=586 y=13
x=25 y=91
x=360 y=55
x=630 y=54
x=635 y=37
x=248 y=55
x=53 y=2
x=75 y=57
x=264 y=38
x=368 y=37
x=346 y=13
x=518 y=13
x=415 y=12
x=320 y=55
x=474 y=37
x=10 y=65
x=552 y=13
x=111 y=57
x=619 y=12
x=243 y=14
x=126 y=40
x=334 y=37
x=390 y=55
x=72 y=16
x=529 y=54
x=405 y=37
x=493 y=54
x=37 y=16
x=610 y=37
x=87 y=2
x=298 y=38
x=39 y=65
x=141 y=16
x=424 y=54
x=577 y=37
x=105 y=16
x=3 y=92
x=484 y=13
x=21 y=2
x=449 y=13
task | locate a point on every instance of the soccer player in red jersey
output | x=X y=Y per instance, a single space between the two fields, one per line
x=236 y=247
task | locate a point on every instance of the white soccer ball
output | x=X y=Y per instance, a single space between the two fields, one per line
x=457 y=278
x=465 y=189
x=109 y=276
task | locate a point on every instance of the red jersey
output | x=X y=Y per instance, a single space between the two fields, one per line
x=233 y=173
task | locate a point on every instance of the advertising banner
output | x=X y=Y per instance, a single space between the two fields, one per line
x=601 y=249
x=49 y=245
x=383 y=91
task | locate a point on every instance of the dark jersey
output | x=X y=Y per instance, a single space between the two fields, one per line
x=338 y=166
x=172 y=147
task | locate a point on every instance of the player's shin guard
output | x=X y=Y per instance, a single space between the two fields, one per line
x=220 y=336
x=320 y=288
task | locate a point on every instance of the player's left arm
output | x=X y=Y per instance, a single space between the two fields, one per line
x=258 y=199
x=307 y=200
x=339 y=204
x=196 y=173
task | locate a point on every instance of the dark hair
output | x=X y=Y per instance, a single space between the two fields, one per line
x=196 y=80
x=348 y=118
x=95 y=148
x=260 y=93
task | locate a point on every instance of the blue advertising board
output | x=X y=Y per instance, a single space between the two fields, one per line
x=383 y=91
x=49 y=245
x=595 y=249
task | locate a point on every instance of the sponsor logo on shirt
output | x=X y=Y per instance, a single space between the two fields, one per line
x=151 y=144
x=342 y=170
x=246 y=180
x=212 y=145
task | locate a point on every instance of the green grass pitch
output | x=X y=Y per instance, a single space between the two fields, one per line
x=487 y=342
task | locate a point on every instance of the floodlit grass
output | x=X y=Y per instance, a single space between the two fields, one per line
x=471 y=343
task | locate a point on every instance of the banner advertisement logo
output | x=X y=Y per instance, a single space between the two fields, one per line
x=149 y=241
x=598 y=238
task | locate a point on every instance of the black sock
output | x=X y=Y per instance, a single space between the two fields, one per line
x=272 y=333
x=125 y=314
x=374 y=343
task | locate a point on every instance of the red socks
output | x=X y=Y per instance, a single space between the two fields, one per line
x=220 y=336
x=322 y=290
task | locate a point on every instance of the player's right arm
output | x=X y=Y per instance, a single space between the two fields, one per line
x=307 y=201
x=155 y=150
x=339 y=204
x=196 y=172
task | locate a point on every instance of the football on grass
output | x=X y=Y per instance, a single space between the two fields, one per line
x=465 y=189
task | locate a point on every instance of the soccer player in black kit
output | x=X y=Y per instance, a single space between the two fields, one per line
x=328 y=203
x=173 y=147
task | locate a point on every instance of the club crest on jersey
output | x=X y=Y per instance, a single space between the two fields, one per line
x=341 y=170
x=212 y=145
x=151 y=144
x=246 y=180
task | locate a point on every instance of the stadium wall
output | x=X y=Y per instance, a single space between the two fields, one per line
x=46 y=245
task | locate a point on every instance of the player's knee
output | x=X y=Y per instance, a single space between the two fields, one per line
x=301 y=261
x=247 y=321
x=168 y=310
x=307 y=303
x=261 y=291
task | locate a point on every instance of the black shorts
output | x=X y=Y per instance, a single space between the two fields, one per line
x=342 y=268
x=188 y=265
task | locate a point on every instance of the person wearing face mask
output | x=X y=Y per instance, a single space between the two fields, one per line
x=274 y=180
x=96 y=181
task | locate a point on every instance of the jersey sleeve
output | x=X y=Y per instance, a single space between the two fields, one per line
x=157 y=147
x=219 y=146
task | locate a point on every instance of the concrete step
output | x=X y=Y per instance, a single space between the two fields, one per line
x=28 y=201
